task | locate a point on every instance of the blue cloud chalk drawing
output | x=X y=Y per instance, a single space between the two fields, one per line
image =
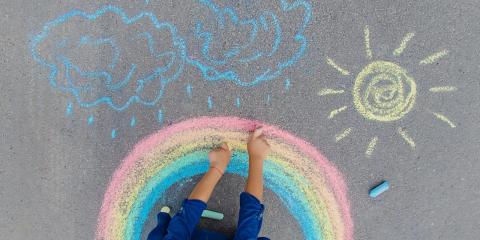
x=101 y=65
x=110 y=58
x=262 y=49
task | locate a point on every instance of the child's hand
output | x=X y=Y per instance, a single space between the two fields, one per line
x=257 y=146
x=220 y=157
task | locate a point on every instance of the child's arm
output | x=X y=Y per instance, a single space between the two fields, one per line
x=219 y=159
x=183 y=223
x=258 y=150
x=251 y=207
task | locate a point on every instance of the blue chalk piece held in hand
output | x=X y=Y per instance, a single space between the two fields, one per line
x=382 y=187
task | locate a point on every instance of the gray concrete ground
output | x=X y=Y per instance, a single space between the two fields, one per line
x=55 y=168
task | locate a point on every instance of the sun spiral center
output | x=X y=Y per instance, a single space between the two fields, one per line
x=384 y=91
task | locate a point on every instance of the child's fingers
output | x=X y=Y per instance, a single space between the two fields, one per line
x=266 y=142
x=225 y=146
x=262 y=136
x=258 y=132
x=253 y=134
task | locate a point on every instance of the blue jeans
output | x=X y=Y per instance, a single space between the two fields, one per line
x=182 y=225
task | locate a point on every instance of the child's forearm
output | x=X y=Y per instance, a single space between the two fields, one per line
x=203 y=190
x=254 y=184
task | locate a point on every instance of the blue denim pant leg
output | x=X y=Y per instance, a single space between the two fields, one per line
x=250 y=218
x=159 y=232
x=183 y=224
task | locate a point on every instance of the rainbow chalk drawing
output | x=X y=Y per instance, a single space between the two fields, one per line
x=309 y=186
x=384 y=91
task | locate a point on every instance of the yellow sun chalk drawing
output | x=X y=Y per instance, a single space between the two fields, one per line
x=384 y=91
x=334 y=112
x=366 y=31
x=329 y=91
x=444 y=119
x=343 y=134
x=441 y=89
x=406 y=137
x=434 y=57
x=338 y=68
x=371 y=146
x=403 y=44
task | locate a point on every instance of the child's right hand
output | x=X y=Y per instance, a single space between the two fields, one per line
x=220 y=157
x=257 y=146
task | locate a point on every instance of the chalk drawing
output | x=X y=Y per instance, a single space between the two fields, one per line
x=434 y=57
x=92 y=83
x=334 y=112
x=406 y=137
x=441 y=89
x=160 y=117
x=114 y=133
x=90 y=120
x=189 y=90
x=265 y=60
x=210 y=103
x=287 y=84
x=443 y=118
x=343 y=134
x=338 y=68
x=371 y=146
x=133 y=121
x=98 y=65
x=237 y=102
x=329 y=91
x=69 y=110
x=308 y=185
x=403 y=45
x=368 y=50
x=384 y=91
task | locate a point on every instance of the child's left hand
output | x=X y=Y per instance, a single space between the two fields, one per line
x=220 y=157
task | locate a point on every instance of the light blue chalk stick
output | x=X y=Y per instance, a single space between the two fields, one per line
x=212 y=215
x=382 y=187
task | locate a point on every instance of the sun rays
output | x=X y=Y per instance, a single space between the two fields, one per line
x=368 y=50
x=343 y=134
x=338 y=68
x=384 y=91
x=444 y=119
x=334 y=112
x=409 y=140
x=441 y=89
x=434 y=57
x=403 y=44
x=329 y=91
